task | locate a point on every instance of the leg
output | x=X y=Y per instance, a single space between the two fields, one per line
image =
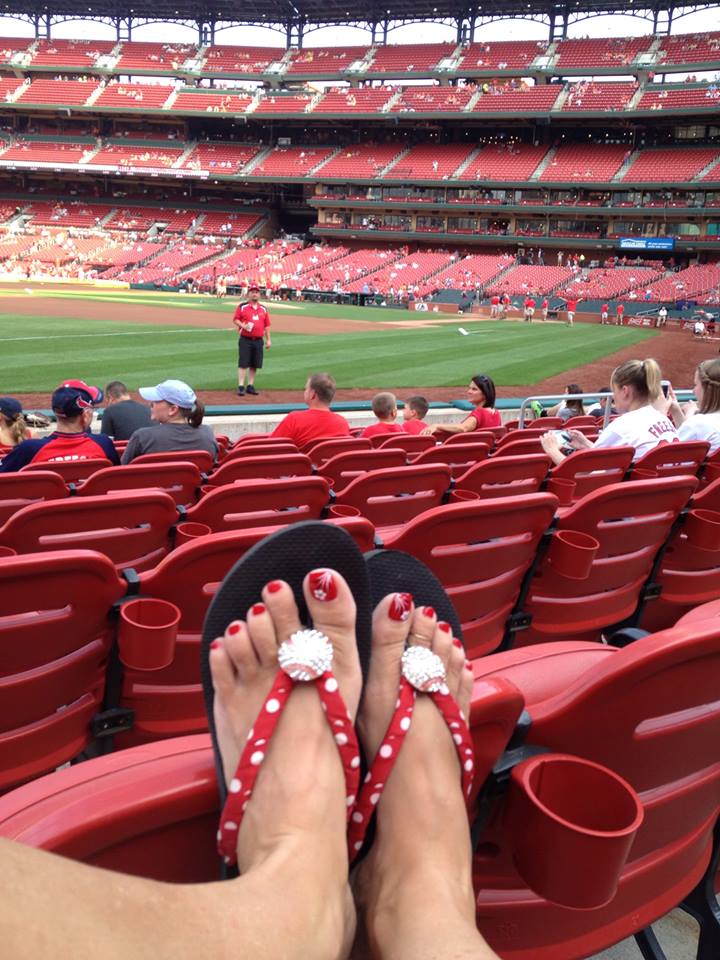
x=251 y=376
x=291 y=845
x=242 y=372
x=415 y=886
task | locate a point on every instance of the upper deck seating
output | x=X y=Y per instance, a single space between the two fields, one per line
x=678 y=96
x=502 y=97
x=194 y=100
x=228 y=59
x=670 y=165
x=430 y=162
x=68 y=92
x=689 y=48
x=592 y=95
x=8 y=86
x=122 y=155
x=601 y=52
x=9 y=46
x=283 y=103
x=511 y=161
x=312 y=60
x=224 y=224
x=360 y=162
x=433 y=99
x=291 y=161
x=140 y=57
x=354 y=100
x=585 y=162
x=45 y=151
x=501 y=55
x=70 y=53
x=134 y=96
x=223 y=158
x=410 y=57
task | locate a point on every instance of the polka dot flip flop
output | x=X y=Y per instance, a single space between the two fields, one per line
x=391 y=571
x=306 y=656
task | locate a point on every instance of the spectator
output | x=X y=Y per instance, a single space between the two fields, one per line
x=178 y=416
x=599 y=409
x=122 y=415
x=481 y=393
x=568 y=408
x=318 y=421
x=13 y=429
x=619 y=314
x=700 y=419
x=636 y=390
x=414 y=413
x=384 y=406
x=72 y=403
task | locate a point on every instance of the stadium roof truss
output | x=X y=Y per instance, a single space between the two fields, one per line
x=296 y=18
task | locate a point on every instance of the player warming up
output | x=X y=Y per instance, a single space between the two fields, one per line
x=253 y=325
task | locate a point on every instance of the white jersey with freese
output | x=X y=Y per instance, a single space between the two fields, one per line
x=643 y=429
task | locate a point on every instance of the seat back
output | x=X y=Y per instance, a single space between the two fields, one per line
x=55 y=637
x=131 y=528
x=71 y=471
x=201 y=458
x=630 y=522
x=261 y=503
x=474 y=436
x=505 y=476
x=674 y=459
x=480 y=551
x=345 y=467
x=458 y=456
x=650 y=713
x=18 y=490
x=592 y=469
x=321 y=450
x=255 y=448
x=581 y=421
x=397 y=494
x=409 y=442
x=528 y=443
x=181 y=480
x=261 y=467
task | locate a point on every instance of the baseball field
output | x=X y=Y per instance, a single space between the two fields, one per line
x=142 y=337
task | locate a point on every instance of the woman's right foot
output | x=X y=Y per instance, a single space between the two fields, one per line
x=415 y=886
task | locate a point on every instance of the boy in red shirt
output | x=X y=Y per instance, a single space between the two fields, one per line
x=414 y=413
x=384 y=406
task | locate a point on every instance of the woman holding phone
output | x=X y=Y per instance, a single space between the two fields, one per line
x=699 y=419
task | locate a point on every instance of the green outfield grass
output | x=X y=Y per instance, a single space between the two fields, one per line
x=38 y=353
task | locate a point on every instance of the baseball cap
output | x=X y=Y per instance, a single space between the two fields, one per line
x=253 y=286
x=10 y=407
x=171 y=391
x=74 y=396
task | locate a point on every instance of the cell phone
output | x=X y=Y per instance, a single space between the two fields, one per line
x=563 y=436
x=665 y=384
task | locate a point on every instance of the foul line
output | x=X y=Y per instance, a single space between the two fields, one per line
x=138 y=333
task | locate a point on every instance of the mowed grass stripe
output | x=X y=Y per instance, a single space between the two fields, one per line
x=405 y=357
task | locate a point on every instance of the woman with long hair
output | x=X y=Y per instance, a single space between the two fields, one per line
x=13 y=429
x=177 y=416
x=569 y=408
x=700 y=419
x=636 y=391
x=481 y=393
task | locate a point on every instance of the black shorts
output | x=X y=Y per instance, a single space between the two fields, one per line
x=250 y=353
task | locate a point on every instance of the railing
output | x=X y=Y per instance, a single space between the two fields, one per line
x=547 y=398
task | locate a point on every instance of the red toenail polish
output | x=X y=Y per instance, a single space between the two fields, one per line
x=400 y=607
x=257 y=609
x=216 y=644
x=457 y=643
x=322 y=584
x=274 y=586
x=468 y=665
x=428 y=612
x=445 y=627
x=233 y=629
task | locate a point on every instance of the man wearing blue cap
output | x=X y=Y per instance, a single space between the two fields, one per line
x=72 y=403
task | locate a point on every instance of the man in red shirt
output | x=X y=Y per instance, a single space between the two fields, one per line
x=604 y=313
x=494 y=306
x=544 y=307
x=253 y=324
x=529 y=309
x=318 y=421
x=570 y=307
x=620 y=315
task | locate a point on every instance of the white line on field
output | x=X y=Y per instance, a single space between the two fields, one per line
x=138 y=333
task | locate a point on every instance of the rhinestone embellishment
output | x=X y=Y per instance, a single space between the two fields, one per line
x=423 y=669
x=306 y=655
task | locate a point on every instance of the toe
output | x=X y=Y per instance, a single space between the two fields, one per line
x=455 y=665
x=279 y=620
x=464 y=695
x=422 y=627
x=239 y=650
x=332 y=608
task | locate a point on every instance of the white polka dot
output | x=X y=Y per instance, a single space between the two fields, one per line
x=251 y=733
x=457 y=738
x=454 y=725
x=349 y=801
x=273 y=705
x=235 y=786
x=324 y=706
x=469 y=765
x=355 y=763
x=444 y=690
x=331 y=684
x=367 y=777
x=405 y=723
x=468 y=749
x=227 y=859
x=257 y=758
x=219 y=836
x=230 y=825
x=374 y=797
x=244 y=806
x=259 y=743
x=386 y=750
x=357 y=817
x=358 y=845
x=379 y=786
x=339 y=723
x=341 y=739
x=397 y=704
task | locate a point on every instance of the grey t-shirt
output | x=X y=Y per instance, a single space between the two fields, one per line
x=121 y=420
x=164 y=437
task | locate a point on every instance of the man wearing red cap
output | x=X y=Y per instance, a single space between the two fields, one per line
x=253 y=324
x=72 y=403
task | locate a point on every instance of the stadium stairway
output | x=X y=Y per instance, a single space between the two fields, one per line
x=562 y=97
x=705 y=170
x=185 y=155
x=544 y=163
x=625 y=166
x=394 y=162
x=476 y=152
x=259 y=157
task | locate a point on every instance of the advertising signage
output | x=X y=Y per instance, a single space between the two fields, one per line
x=647 y=243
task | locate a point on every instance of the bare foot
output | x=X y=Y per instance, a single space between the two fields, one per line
x=415 y=886
x=299 y=801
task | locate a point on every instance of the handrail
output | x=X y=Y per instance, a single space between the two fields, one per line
x=554 y=397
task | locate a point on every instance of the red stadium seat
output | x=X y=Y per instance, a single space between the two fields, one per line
x=474 y=436
x=201 y=458
x=131 y=528
x=181 y=480
x=261 y=467
x=577 y=422
x=673 y=459
x=18 y=490
x=506 y=476
x=260 y=503
x=409 y=442
x=397 y=494
x=55 y=639
x=460 y=457
x=580 y=591
x=592 y=469
x=345 y=467
x=480 y=551
x=321 y=450
x=378 y=439
x=71 y=471
x=519 y=446
x=255 y=448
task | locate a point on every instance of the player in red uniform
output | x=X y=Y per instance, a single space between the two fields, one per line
x=253 y=324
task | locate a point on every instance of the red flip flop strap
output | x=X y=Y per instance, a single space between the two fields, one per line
x=382 y=765
x=241 y=786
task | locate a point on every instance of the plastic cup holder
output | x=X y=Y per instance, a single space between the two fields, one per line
x=7 y=552
x=563 y=488
x=462 y=496
x=641 y=473
x=570 y=823
x=146 y=633
x=339 y=510
x=190 y=530
x=702 y=528
x=572 y=553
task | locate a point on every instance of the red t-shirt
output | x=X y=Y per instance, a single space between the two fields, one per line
x=495 y=300
x=571 y=306
x=302 y=426
x=375 y=428
x=545 y=304
x=255 y=314
x=529 y=302
x=604 y=308
x=414 y=426
x=485 y=417
x=620 y=309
